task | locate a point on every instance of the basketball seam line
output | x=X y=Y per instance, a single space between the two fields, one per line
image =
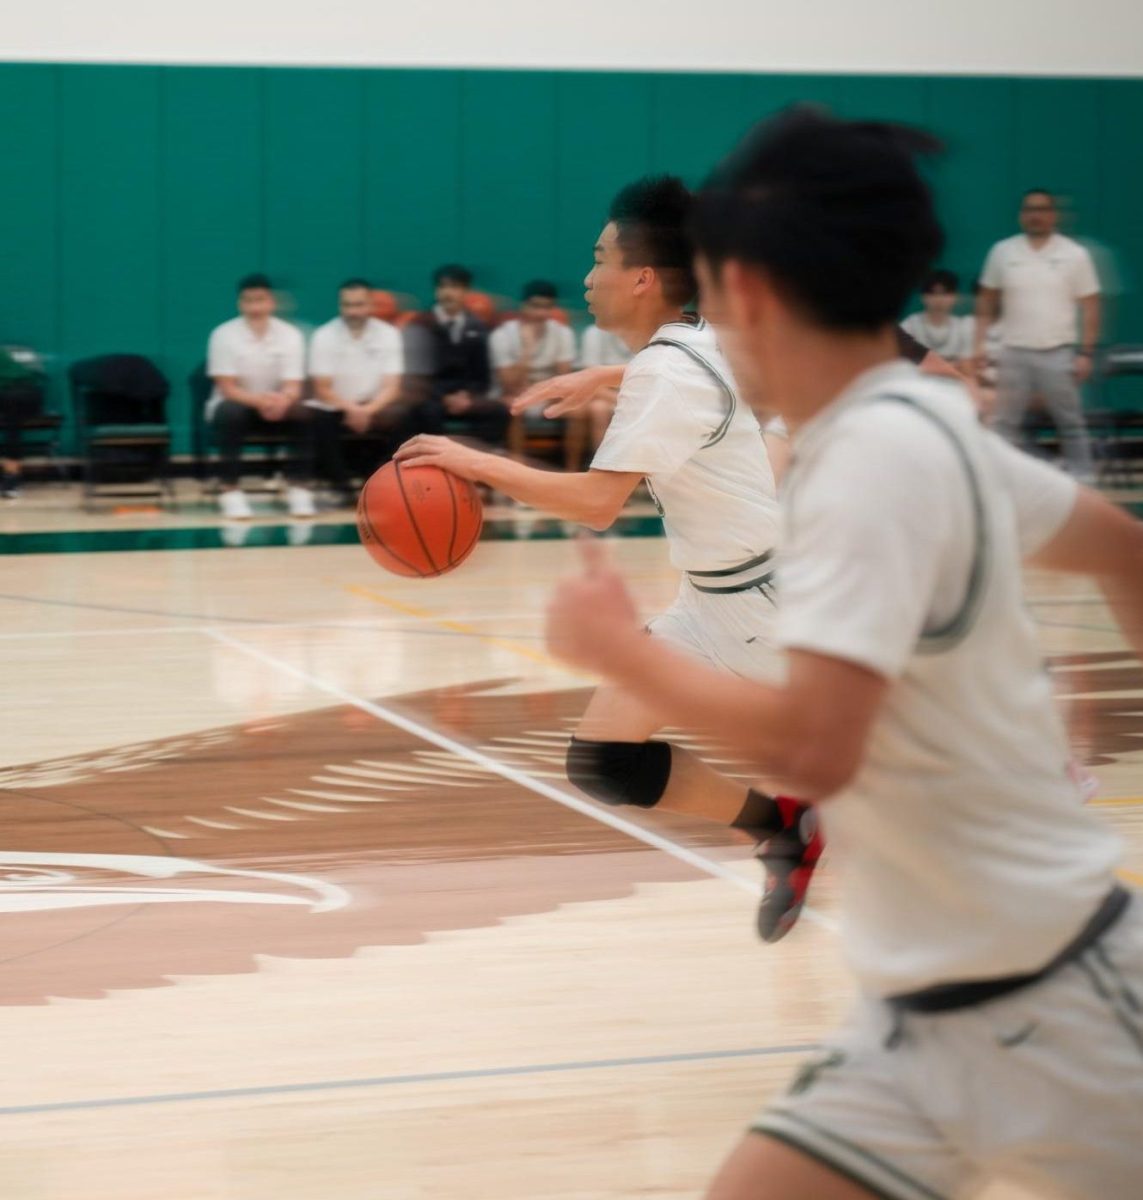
x=413 y=521
x=455 y=520
x=363 y=512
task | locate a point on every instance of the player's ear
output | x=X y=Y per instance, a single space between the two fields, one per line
x=644 y=281
x=742 y=297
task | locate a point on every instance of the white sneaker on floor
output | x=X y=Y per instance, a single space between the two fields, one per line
x=234 y=505
x=300 y=502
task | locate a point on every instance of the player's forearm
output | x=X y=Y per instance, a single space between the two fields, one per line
x=323 y=390
x=230 y=389
x=762 y=723
x=571 y=496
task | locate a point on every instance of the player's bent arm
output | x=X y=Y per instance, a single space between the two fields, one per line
x=591 y=498
x=1101 y=540
x=807 y=736
x=569 y=392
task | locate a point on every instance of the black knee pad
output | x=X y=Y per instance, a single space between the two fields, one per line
x=620 y=772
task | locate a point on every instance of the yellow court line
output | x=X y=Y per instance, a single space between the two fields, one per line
x=1117 y=802
x=1131 y=877
x=424 y=614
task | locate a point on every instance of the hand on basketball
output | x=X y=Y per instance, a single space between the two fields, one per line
x=427 y=450
x=562 y=394
x=591 y=615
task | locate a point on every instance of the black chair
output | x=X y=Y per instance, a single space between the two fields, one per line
x=1117 y=420
x=121 y=424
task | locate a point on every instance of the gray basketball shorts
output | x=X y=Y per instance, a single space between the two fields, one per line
x=1043 y=1086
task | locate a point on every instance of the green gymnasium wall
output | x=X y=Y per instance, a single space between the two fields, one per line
x=134 y=197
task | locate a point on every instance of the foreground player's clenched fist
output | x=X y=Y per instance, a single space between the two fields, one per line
x=591 y=615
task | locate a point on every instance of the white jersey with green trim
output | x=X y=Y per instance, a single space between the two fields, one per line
x=680 y=422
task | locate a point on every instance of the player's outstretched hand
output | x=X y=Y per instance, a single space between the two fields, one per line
x=563 y=394
x=427 y=450
x=591 y=615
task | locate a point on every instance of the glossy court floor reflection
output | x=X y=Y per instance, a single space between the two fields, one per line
x=298 y=903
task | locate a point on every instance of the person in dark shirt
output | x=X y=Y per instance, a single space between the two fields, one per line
x=448 y=347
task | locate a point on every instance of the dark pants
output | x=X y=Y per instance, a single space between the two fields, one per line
x=341 y=455
x=234 y=424
x=486 y=420
x=18 y=402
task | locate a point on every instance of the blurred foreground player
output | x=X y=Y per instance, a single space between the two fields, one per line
x=999 y=1030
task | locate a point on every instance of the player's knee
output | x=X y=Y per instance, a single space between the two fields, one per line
x=620 y=772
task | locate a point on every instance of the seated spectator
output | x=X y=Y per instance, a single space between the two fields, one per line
x=937 y=328
x=21 y=397
x=529 y=349
x=357 y=363
x=448 y=352
x=600 y=348
x=257 y=363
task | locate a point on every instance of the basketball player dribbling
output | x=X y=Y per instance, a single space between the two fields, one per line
x=999 y=1025
x=680 y=425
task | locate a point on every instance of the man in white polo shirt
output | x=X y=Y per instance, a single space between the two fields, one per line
x=532 y=347
x=1036 y=280
x=257 y=363
x=356 y=363
x=998 y=1029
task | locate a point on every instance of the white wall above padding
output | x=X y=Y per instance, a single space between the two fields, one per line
x=1009 y=37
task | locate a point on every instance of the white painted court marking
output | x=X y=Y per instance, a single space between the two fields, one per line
x=426 y=733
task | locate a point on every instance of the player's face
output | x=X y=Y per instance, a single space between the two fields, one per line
x=256 y=304
x=610 y=286
x=355 y=306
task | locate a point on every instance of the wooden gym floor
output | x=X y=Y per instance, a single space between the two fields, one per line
x=298 y=904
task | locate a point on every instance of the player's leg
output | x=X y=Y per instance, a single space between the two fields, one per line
x=614 y=759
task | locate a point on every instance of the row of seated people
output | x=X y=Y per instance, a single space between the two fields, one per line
x=444 y=370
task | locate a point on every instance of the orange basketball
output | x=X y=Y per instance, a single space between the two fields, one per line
x=418 y=520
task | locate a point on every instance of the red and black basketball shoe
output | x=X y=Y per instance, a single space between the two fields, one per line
x=789 y=858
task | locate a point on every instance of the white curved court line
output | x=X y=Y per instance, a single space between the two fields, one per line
x=708 y=866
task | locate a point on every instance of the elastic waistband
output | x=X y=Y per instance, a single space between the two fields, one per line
x=947 y=997
x=741 y=578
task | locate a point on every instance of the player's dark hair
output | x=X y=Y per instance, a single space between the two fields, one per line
x=941 y=280
x=355 y=284
x=836 y=212
x=538 y=287
x=452 y=273
x=255 y=282
x=651 y=216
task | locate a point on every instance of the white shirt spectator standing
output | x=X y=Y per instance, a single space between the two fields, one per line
x=1038 y=280
x=257 y=363
x=529 y=349
x=357 y=364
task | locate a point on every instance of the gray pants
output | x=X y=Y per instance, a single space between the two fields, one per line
x=1023 y=374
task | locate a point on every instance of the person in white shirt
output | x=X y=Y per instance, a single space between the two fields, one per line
x=532 y=347
x=679 y=425
x=936 y=326
x=257 y=364
x=357 y=364
x=998 y=1028
x=1036 y=281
